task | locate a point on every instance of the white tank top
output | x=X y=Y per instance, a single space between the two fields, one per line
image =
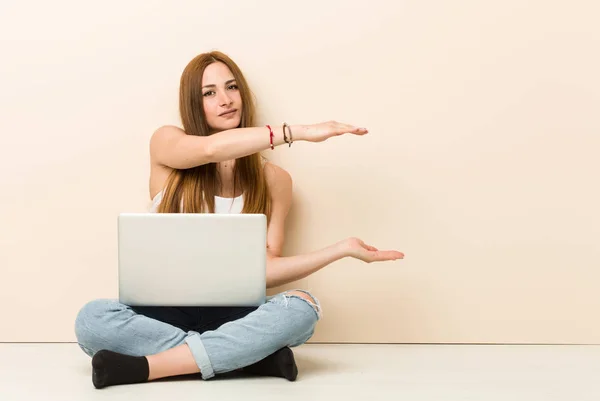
x=222 y=205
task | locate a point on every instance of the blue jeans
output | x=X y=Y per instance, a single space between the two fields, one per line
x=220 y=339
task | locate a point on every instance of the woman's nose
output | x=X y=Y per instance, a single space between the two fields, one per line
x=224 y=99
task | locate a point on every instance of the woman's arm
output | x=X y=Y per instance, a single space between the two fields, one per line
x=283 y=270
x=170 y=146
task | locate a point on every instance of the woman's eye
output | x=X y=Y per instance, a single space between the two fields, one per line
x=208 y=93
x=235 y=87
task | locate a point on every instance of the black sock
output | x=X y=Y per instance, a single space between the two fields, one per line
x=279 y=364
x=110 y=368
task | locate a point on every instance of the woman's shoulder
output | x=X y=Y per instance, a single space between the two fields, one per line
x=277 y=177
x=165 y=132
x=171 y=128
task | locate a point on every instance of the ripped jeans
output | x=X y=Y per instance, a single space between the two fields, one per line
x=221 y=339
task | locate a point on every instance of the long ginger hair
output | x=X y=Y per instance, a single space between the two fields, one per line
x=195 y=188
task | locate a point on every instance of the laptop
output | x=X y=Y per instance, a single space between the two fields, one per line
x=192 y=259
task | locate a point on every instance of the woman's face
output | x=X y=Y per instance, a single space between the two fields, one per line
x=221 y=98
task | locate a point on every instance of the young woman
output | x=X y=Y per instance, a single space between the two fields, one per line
x=214 y=165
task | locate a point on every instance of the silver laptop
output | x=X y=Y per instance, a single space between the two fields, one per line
x=188 y=259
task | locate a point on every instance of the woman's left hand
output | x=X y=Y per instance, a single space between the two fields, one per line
x=357 y=249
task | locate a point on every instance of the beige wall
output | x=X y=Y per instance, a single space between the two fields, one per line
x=482 y=163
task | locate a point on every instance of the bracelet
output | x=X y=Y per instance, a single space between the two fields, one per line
x=271 y=136
x=283 y=129
x=286 y=125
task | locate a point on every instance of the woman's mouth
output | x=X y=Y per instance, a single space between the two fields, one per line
x=228 y=113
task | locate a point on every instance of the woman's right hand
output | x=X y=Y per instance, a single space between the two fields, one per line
x=322 y=131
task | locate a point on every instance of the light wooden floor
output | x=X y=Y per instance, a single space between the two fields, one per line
x=332 y=372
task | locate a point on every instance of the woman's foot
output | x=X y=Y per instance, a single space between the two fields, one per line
x=111 y=368
x=279 y=364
